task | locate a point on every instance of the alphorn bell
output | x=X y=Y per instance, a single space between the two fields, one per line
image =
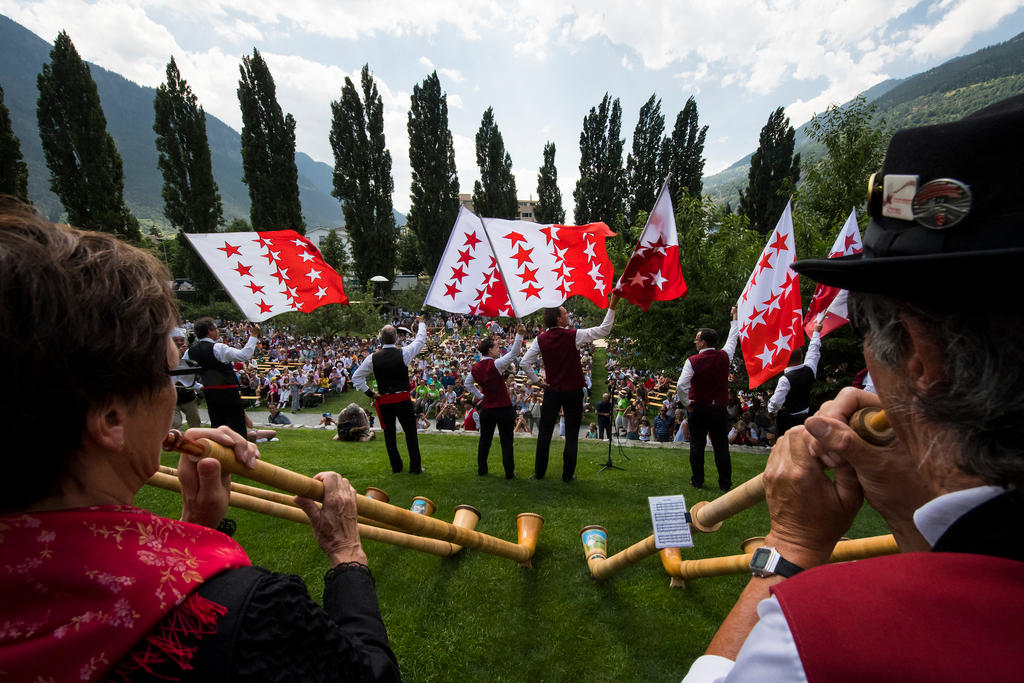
x=528 y=524
x=292 y=513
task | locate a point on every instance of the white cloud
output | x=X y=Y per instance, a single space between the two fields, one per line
x=452 y=74
x=626 y=64
x=454 y=101
x=427 y=63
x=960 y=23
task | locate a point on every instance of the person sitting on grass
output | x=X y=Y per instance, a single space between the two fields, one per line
x=591 y=431
x=645 y=429
x=275 y=416
x=354 y=425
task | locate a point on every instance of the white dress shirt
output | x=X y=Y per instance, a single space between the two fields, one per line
x=408 y=353
x=499 y=364
x=584 y=336
x=782 y=388
x=686 y=376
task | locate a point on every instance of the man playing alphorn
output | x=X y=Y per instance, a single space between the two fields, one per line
x=390 y=367
x=941 y=254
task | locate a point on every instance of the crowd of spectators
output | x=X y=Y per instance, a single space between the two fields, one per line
x=644 y=404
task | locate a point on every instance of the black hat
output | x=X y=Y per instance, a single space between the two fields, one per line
x=947 y=214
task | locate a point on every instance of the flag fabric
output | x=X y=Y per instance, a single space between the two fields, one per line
x=831 y=301
x=495 y=267
x=543 y=265
x=269 y=273
x=768 y=310
x=467 y=278
x=653 y=272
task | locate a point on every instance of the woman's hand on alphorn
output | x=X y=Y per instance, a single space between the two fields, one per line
x=336 y=524
x=204 y=487
x=809 y=511
x=890 y=478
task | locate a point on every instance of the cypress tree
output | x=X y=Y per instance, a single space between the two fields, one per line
x=362 y=177
x=85 y=167
x=13 y=171
x=774 y=171
x=268 y=150
x=643 y=173
x=191 y=199
x=494 y=195
x=600 y=191
x=435 y=181
x=683 y=153
x=548 y=208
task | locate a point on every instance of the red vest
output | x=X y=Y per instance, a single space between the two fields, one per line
x=492 y=384
x=710 y=383
x=562 y=367
x=910 y=617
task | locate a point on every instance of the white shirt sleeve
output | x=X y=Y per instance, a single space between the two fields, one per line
x=813 y=352
x=361 y=373
x=410 y=351
x=768 y=654
x=591 y=333
x=502 y=363
x=530 y=360
x=470 y=384
x=734 y=337
x=683 y=385
x=779 y=397
x=226 y=354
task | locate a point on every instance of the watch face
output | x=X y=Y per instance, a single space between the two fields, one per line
x=760 y=558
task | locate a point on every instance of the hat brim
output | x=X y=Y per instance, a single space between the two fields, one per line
x=965 y=277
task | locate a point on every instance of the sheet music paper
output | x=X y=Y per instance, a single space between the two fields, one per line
x=668 y=514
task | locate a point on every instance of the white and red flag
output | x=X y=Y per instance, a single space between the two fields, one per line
x=497 y=267
x=653 y=272
x=467 y=278
x=831 y=301
x=269 y=273
x=771 y=324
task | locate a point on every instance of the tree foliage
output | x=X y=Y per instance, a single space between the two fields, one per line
x=644 y=172
x=854 y=144
x=600 y=191
x=548 y=208
x=333 y=249
x=682 y=155
x=494 y=195
x=13 y=171
x=408 y=254
x=435 y=181
x=362 y=177
x=774 y=172
x=268 y=150
x=191 y=199
x=85 y=168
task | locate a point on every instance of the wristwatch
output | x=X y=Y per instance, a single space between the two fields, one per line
x=767 y=561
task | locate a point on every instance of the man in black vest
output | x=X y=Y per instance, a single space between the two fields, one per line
x=390 y=367
x=791 y=402
x=703 y=388
x=563 y=383
x=220 y=384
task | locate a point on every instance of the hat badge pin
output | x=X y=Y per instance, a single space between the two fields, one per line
x=941 y=203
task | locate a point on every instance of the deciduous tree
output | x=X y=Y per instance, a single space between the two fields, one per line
x=774 y=172
x=548 y=208
x=600 y=191
x=494 y=195
x=683 y=153
x=644 y=174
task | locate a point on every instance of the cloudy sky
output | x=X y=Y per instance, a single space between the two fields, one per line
x=540 y=63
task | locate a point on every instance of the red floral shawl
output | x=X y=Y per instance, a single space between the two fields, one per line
x=79 y=589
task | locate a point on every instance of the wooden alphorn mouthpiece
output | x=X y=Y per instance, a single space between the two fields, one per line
x=872 y=425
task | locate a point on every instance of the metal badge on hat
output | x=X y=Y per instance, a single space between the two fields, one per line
x=941 y=203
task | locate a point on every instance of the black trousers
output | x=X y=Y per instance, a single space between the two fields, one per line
x=710 y=421
x=225 y=408
x=505 y=420
x=571 y=404
x=604 y=424
x=783 y=422
x=403 y=413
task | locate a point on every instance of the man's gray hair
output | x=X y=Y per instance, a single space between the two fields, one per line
x=980 y=403
x=388 y=335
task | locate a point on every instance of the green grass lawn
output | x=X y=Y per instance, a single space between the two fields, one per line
x=478 y=617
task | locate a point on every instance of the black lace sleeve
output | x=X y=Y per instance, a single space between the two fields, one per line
x=283 y=635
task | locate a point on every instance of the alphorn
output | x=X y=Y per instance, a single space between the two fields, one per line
x=465 y=517
x=856 y=549
x=528 y=524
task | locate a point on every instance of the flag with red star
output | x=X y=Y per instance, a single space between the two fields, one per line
x=653 y=272
x=831 y=301
x=543 y=265
x=768 y=310
x=467 y=278
x=269 y=273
